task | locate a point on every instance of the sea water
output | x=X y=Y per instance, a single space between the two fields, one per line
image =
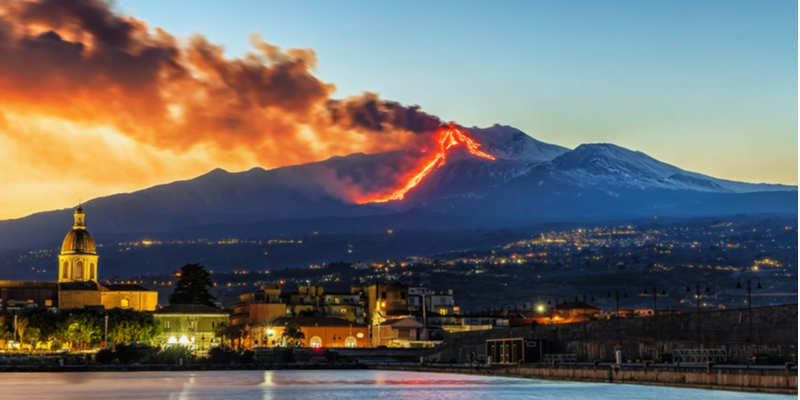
x=328 y=384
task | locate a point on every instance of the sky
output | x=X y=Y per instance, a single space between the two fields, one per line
x=708 y=86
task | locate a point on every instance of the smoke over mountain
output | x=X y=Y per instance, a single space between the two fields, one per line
x=77 y=65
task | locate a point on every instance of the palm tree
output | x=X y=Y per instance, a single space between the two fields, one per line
x=293 y=336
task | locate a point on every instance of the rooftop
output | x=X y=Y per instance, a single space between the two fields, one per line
x=190 y=309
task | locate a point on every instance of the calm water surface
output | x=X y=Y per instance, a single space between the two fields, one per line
x=288 y=385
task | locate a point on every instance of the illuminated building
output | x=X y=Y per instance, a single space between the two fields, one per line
x=78 y=259
x=77 y=276
x=190 y=325
x=320 y=332
x=403 y=332
x=77 y=281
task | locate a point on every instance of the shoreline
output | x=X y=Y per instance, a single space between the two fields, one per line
x=773 y=380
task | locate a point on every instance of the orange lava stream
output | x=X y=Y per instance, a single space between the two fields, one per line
x=447 y=139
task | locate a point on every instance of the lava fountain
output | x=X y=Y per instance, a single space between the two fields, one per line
x=448 y=137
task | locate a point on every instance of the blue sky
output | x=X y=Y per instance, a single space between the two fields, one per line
x=710 y=86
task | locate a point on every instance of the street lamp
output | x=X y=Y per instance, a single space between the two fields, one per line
x=105 y=340
x=583 y=296
x=555 y=302
x=655 y=287
x=749 y=280
x=698 y=285
x=617 y=291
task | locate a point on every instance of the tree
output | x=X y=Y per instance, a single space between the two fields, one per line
x=293 y=336
x=33 y=333
x=5 y=331
x=193 y=286
x=22 y=326
x=130 y=326
x=80 y=328
x=221 y=331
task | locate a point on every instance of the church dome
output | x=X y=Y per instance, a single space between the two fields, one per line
x=78 y=241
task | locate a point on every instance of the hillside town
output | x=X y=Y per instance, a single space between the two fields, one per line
x=382 y=304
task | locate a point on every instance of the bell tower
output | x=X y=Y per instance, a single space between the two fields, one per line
x=78 y=259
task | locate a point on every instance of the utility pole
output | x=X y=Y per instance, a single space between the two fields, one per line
x=655 y=288
x=555 y=306
x=424 y=308
x=749 y=280
x=698 y=285
x=617 y=291
x=583 y=296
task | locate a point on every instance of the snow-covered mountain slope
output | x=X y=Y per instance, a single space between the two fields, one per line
x=509 y=143
x=470 y=177
x=611 y=166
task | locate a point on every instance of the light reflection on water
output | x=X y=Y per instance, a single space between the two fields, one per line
x=361 y=384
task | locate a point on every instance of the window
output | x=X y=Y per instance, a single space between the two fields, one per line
x=383 y=295
x=48 y=303
x=213 y=324
x=316 y=342
x=344 y=311
x=443 y=311
x=336 y=300
x=30 y=301
x=192 y=324
x=91 y=271
x=166 y=325
x=124 y=303
x=350 y=342
x=402 y=295
x=65 y=271
x=77 y=271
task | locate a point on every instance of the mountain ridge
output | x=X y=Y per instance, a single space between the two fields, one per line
x=529 y=178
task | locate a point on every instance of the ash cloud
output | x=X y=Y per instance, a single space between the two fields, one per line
x=80 y=61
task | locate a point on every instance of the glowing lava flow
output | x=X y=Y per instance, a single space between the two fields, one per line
x=447 y=139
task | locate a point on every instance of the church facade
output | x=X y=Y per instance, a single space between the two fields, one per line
x=77 y=285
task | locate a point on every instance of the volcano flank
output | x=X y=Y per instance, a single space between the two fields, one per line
x=493 y=177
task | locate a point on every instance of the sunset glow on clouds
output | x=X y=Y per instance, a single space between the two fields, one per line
x=96 y=103
x=97 y=99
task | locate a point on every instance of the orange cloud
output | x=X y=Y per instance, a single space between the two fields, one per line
x=74 y=69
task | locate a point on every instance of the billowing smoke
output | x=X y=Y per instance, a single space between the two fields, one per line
x=79 y=61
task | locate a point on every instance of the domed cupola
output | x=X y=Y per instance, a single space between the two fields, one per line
x=78 y=258
x=78 y=240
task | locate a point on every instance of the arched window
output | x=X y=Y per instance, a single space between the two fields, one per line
x=65 y=271
x=350 y=342
x=91 y=271
x=77 y=271
x=316 y=342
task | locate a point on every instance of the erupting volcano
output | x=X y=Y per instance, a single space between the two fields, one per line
x=448 y=137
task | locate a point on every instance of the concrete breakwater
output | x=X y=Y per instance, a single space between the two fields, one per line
x=766 y=379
